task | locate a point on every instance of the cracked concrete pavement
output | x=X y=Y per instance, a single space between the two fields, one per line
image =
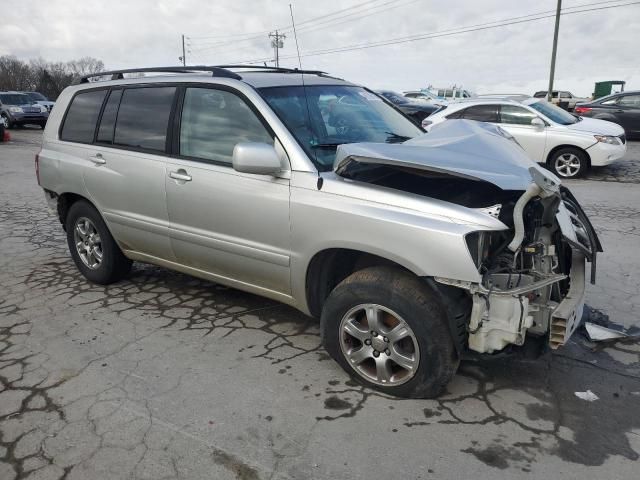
x=167 y=376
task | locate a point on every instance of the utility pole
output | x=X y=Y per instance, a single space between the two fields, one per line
x=184 y=56
x=553 y=52
x=277 y=42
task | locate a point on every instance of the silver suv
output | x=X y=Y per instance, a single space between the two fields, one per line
x=411 y=248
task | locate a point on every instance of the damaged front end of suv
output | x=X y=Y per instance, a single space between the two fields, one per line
x=531 y=273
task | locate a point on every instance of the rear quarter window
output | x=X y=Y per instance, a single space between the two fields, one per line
x=80 y=122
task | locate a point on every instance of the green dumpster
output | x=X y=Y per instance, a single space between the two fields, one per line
x=603 y=89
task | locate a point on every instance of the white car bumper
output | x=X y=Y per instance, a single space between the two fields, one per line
x=603 y=153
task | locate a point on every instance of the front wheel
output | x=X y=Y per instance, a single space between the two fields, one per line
x=389 y=330
x=569 y=163
x=6 y=122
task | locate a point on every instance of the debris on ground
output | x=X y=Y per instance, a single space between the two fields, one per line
x=598 y=333
x=589 y=396
x=597 y=327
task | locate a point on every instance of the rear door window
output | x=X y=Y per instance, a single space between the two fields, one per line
x=108 y=121
x=80 y=122
x=143 y=118
x=482 y=113
x=515 y=115
x=630 y=101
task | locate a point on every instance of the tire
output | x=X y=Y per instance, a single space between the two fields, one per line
x=569 y=162
x=82 y=224
x=399 y=299
x=7 y=122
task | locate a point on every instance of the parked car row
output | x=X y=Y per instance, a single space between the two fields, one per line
x=567 y=144
x=22 y=108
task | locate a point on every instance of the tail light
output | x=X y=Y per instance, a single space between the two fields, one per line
x=38 y=167
x=582 y=110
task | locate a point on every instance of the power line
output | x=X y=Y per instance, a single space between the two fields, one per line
x=289 y=26
x=310 y=23
x=343 y=20
x=357 y=15
x=457 y=31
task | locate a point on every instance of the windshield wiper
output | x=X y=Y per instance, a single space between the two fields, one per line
x=328 y=145
x=395 y=138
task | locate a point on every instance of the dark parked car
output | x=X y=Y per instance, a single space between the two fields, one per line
x=621 y=108
x=415 y=110
x=17 y=109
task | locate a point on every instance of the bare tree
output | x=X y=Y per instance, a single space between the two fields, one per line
x=48 y=78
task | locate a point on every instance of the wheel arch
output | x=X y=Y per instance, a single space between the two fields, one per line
x=328 y=267
x=65 y=201
x=560 y=147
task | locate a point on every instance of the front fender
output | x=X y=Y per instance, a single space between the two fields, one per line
x=423 y=242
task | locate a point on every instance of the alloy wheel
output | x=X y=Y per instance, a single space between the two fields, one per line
x=567 y=164
x=88 y=243
x=379 y=344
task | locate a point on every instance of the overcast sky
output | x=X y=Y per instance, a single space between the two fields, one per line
x=597 y=45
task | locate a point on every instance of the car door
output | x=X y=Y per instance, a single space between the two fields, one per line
x=517 y=121
x=628 y=112
x=126 y=172
x=234 y=226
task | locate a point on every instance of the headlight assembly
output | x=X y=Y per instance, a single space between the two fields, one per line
x=611 y=140
x=16 y=110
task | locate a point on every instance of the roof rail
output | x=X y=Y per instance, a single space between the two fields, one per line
x=267 y=68
x=216 y=71
x=119 y=74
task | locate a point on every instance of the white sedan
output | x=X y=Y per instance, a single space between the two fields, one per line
x=566 y=143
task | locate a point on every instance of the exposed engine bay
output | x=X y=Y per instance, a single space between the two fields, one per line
x=532 y=272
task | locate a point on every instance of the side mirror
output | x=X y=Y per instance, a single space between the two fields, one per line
x=538 y=122
x=257 y=158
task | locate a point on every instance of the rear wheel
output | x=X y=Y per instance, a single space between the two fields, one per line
x=92 y=247
x=569 y=163
x=388 y=329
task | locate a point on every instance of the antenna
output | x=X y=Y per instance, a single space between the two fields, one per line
x=295 y=35
x=304 y=87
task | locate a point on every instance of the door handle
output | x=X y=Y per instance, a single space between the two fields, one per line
x=97 y=159
x=180 y=175
x=618 y=111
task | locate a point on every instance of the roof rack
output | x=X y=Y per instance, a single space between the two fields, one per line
x=119 y=74
x=216 y=71
x=267 y=68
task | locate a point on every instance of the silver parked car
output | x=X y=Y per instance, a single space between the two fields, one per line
x=411 y=248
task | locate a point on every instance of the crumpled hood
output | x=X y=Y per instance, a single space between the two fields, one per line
x=596 y=126
x=464 y=148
